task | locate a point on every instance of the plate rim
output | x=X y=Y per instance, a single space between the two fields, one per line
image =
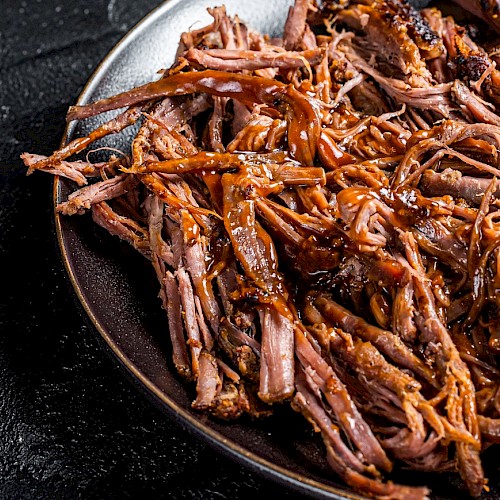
x=234 y=451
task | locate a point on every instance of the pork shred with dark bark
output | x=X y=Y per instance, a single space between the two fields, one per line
x=322 y=213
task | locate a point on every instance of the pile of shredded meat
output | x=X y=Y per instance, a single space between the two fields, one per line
x=323 y=215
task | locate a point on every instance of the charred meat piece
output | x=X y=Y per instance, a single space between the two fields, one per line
x=396 y=35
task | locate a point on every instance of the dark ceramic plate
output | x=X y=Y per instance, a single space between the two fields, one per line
x=118 y=288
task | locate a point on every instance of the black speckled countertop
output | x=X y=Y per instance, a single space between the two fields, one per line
x=71 y=426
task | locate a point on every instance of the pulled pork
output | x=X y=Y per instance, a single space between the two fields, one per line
x=322 y=214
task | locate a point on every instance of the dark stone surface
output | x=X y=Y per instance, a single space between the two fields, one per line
x=71 y=426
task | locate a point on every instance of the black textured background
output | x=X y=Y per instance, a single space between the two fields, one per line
x=71 y=426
